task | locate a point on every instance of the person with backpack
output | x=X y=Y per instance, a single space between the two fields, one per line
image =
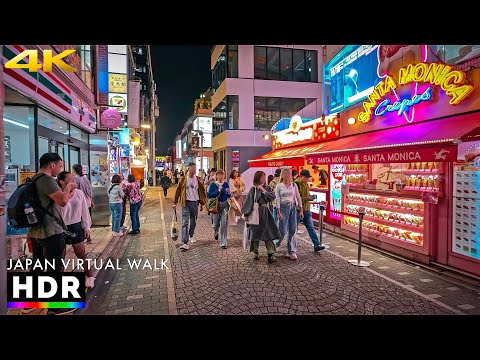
x=115 y=199
x=165 y=183
x=220 y=189
x=77 y=219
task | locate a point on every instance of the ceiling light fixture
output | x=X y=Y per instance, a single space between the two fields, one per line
x=13 y=122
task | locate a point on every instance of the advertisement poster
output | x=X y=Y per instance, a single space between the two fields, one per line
x=8 y=149
x=114 y=167
x=24 y=175
x=125 y=150
x=351 y=76
x=99 y=172
x=337 y=173
x=236 y=159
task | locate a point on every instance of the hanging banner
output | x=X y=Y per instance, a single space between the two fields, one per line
x=134 y=104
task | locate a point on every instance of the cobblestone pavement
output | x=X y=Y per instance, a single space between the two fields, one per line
x=142 y=291
x=209 y=280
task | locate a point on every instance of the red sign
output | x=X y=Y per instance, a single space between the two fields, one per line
x=300 y=161
x=434 y=154
x=111 y=118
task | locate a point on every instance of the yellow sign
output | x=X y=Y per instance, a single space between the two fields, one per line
x=117 y=83
x=24 y=175
x=48 y=60
x=449 y=80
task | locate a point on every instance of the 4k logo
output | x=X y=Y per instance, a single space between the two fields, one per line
x=48 y=60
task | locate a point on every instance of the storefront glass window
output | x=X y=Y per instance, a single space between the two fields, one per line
x=299 y=65
x=219 y=72
x=286 y=72
x=260 y=58
x=86 y=59
x=19 y=138
x=219 y=117
x=273 y=63
x=268 y=110
x=51 y=122
x=232 y=102
x=232 y=61
x=78 y=134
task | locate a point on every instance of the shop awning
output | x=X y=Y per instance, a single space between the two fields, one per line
x=293 y=156
x=427 y=141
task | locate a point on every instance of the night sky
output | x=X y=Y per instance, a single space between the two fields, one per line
x=181 y=73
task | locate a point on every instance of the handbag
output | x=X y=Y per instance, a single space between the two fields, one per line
x=246 y=236
x=235 y=206
x=212 y=203
x=174 y=226
x=254 y=217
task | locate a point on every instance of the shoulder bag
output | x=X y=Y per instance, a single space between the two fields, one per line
x=254 y=217
x=212 y=203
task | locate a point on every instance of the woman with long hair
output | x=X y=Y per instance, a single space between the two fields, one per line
x=237 y=186
x=115 y=200
x=288 y=199
x=267 y=229
x=76 y=217
x=134 y=196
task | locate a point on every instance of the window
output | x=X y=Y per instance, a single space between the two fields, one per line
x=286 y=72
x=260 y=62
x=273 y=63
x=86 y=61
x=232 y=61
x=51 y=122
x=462 y=57
x=268 y=110
x=141 y=50
x=219 y=72
x=232 y=102
x=299 y=65
x=19 y=138
x=225 y=115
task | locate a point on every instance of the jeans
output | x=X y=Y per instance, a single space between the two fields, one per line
x=275 y=214
x=116 y=210
x=308 y=222
x=288 y=224
x=51 y=249
x=124 y=211
x=165 y=191
x=134 y=210
x=189 y=217
x=220 y=220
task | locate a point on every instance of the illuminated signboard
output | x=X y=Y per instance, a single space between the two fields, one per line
x=386 y=98
x=350 y=76
x=299 y=132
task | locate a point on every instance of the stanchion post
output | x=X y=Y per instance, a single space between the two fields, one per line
x=359 y=262
x=323 y=206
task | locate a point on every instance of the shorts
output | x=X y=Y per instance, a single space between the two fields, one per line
x=78 y=230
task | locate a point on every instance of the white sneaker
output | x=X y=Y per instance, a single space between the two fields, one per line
x=185 y=247
x=192 y=240
x=118 y=234
x=90 y=282
x=300 y=231
x=293 y=256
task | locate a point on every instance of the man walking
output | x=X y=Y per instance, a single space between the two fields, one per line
x=165 y=183
x=191 y=193
x=302 y=183
x=84 y=184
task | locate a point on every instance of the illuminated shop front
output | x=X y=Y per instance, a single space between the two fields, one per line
x=408 y=152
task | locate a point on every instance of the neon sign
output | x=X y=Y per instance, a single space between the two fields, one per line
x=449 y=80
x=402 y=106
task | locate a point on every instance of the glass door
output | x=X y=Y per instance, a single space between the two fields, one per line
x=74 y=155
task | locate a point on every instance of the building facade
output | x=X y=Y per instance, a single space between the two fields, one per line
x=254 y=87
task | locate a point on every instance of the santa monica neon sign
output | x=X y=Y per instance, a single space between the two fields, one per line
x=442 y=75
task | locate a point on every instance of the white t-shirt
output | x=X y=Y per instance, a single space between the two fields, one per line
x=192 y=188
x=290 y=194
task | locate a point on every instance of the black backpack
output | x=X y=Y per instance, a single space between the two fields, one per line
x=25 y=193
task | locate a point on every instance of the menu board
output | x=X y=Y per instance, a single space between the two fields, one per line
x=466 y=212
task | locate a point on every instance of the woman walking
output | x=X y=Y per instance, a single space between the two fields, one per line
x=237 y=186
x=267 y=229
x=165 y=183
x=288 y=199
x=134 y=196
x=77 y=219
x=115 y=199
x=221 y=189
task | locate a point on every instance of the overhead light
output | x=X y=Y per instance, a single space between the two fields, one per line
x=145 y=126
x=16 y=123
x=266 y=137
x=351 y=121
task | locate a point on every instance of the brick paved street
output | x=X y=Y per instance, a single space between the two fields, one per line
x=209 y=280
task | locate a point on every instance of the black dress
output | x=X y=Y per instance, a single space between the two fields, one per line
x=267 y=228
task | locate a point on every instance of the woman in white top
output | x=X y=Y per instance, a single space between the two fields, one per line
x=76 y=217
x=115 y=199
x=287 y=198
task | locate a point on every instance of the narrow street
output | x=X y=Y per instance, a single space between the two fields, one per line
x=209 y=280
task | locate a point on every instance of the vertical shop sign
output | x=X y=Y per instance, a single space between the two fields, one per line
x=8 y=150
x=337 y=171
x=236 y=159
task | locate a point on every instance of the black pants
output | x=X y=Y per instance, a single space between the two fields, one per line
x=165 y=190
x=124 y=211
x=51 y=249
